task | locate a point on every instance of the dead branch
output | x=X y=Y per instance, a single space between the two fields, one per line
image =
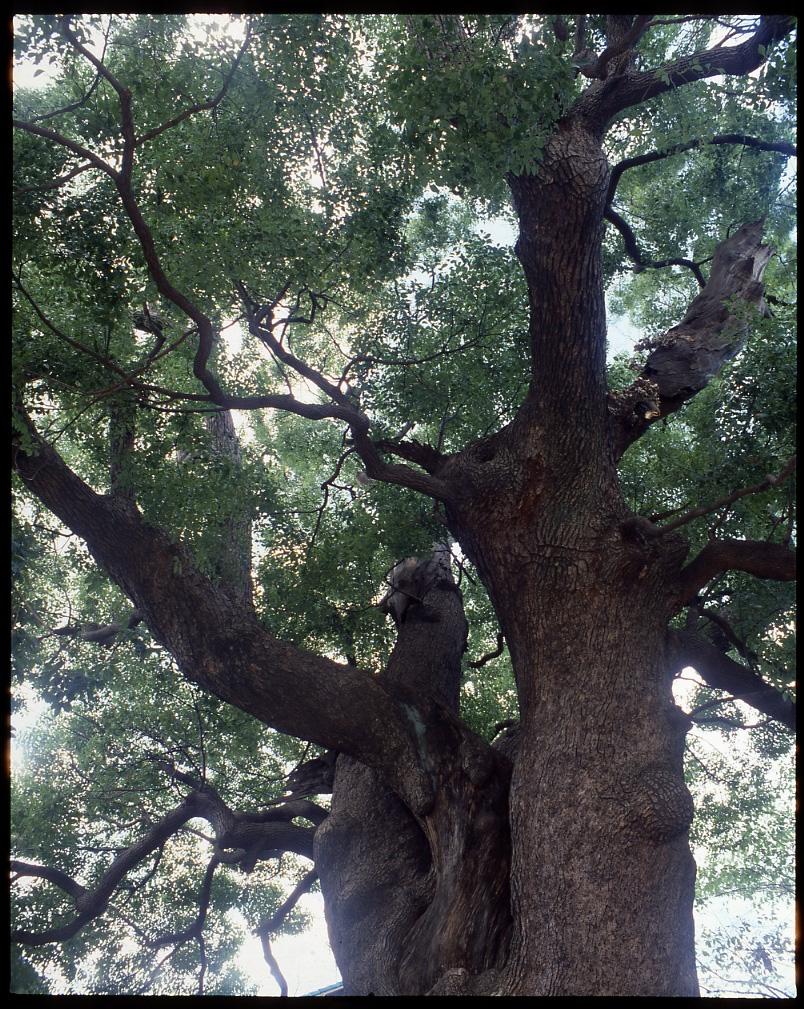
x=101 y=634
x=683 y=360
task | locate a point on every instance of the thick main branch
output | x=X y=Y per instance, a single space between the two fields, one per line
x=633 y=88
x=217 y=642
x=764 y=560
x=722 y=673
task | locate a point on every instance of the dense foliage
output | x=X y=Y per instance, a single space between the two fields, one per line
x=334 y=168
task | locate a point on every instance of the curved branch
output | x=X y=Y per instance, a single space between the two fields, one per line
x=248 y=838
x=426 y=456
x=208 y=105
x=394 y=473
x=218 y=643
x=290 y=809
x=270 y=926
x=636 y=255
x=52 y=875
x=341 y=408
x=478 y=663
x=194 y=930
x=619 y=44
x=55 y=183
x=101 y=634
x=264 y=332
x=313 y=777
x=722 y=673
x=91 y=904
x=618 y=93
x=764 y=560
x=779 y=146
x=722 y=633
x=261 y=325
x=87 y=94
x=70 y=145
x=123 y=94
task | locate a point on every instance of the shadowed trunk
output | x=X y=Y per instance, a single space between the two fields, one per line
x=409 y=898
x=583 y=595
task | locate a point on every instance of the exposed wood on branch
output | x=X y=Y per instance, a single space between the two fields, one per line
x=683 y=360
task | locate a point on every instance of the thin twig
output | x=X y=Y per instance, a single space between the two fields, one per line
x=769 y=481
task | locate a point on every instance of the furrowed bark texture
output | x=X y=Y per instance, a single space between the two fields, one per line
x=601 y=876
x=409 y=898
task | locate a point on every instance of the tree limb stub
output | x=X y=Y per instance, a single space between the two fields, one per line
x=101 y=634
x=685 y=358
x=722 y=673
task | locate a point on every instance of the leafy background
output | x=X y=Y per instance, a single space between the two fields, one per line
x=342 y=163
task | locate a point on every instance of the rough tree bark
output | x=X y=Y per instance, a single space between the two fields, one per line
x=557 y=862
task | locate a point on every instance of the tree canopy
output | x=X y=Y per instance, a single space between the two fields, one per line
x=258 y=301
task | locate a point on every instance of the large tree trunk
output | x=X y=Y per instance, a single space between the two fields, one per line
x=599 y=896
x=583 y=595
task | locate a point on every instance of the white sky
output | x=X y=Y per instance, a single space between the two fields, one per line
x=306 y=960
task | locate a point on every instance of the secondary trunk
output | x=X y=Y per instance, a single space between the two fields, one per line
x=591 y=892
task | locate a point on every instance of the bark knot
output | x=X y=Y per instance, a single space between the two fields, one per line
x=658 y=805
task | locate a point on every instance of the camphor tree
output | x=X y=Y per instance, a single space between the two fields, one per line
x=264 y=351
